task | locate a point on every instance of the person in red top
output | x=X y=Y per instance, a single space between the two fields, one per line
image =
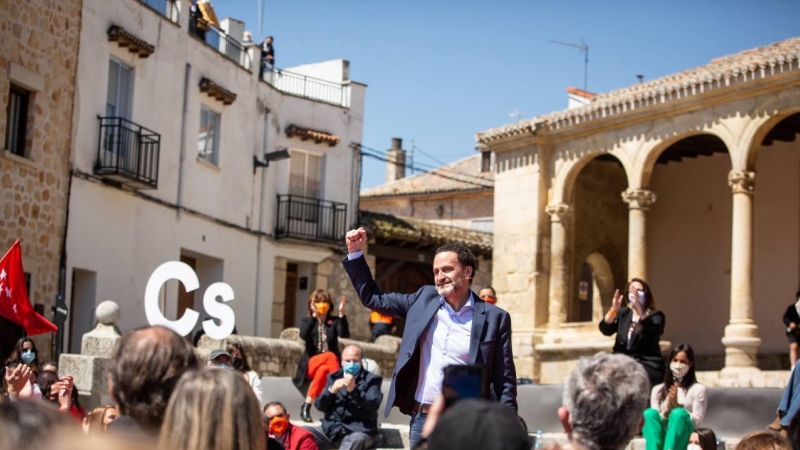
x=280 y=429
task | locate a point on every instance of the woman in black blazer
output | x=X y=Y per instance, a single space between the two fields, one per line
x=639 y=326
x=791 y=319
x=321 y=357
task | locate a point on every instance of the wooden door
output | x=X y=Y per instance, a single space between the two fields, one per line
x=290 y=302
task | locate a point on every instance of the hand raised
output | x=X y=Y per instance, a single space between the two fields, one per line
x=17 y=378
x=616 y=303
x=355 y=240
x=342 y=304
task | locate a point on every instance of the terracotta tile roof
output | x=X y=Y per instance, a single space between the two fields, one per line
x=307 y=133
x=216 y=91
x=385 y=227
x=125 y=39
x=720 y=73
x=462 y=175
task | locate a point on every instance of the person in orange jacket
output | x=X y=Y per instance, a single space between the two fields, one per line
x=380 y=325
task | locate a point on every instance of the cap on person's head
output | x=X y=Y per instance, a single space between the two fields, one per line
x=217 y=353
x=473 y=423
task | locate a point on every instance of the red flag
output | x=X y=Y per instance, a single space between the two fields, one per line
x=14 y=302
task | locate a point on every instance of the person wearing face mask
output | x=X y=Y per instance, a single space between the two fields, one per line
x=239 y=363
x=321 y=332
x=350 y=402
x=279 y=427
x=488 y=294
x=702 y=439
x=639 y=326
x=677 y=406
x=25 y=353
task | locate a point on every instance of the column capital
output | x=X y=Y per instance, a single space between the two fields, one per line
x=639 y=198
x=742 y=182
x=559 y=212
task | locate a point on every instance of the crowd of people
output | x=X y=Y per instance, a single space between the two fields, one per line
x=166 y=397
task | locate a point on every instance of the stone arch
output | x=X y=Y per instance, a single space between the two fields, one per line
x=598 y=226
x=755 y=132
x=567 y=174
x=603 y=284
x=651 y=155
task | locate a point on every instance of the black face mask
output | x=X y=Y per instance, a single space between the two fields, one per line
x=237 y=363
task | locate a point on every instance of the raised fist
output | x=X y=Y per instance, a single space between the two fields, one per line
x=355 y=240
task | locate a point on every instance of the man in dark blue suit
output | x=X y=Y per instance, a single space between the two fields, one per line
x=446 y=324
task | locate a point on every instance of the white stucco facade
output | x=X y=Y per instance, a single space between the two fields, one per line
x=223 y=215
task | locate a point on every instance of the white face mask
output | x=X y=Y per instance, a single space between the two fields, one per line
x=639 y=296
x=694 y=447
x=679 y=370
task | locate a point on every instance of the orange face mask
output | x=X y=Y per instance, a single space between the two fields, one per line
x=489 y=299
x=278 y=425
x=322 y=308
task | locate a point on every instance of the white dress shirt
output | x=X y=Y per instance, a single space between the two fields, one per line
x=444 y=343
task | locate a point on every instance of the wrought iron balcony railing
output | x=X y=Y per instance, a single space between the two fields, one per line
x=310 y=219
x=219 y=41
x=128 y=153
x=167 y=8
x=307 y=87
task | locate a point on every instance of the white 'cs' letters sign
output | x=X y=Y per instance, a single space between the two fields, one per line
x=175 y=270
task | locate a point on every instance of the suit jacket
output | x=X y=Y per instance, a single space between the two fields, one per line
x=490 y=343
x=351 y=412
x=644 y=346
x=335 y=327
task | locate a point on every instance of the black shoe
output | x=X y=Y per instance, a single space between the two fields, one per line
x=305 y=412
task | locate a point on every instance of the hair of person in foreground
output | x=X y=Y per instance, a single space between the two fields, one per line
x=213 y=409
x=604 y=401
x=764 y=440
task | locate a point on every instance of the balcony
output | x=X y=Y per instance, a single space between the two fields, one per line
x=308 y=87
x=167 y=8
x=219 y=41
x=310 y=219
x=128 y=153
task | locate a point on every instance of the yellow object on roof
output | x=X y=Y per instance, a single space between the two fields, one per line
x=208 y=13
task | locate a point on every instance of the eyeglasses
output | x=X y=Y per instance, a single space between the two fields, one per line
x=488 y=296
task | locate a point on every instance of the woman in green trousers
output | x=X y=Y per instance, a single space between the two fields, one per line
x=677 y=405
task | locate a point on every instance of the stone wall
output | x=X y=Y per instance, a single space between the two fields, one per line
x=33 y=196
x=520 y=263
x=279 y=357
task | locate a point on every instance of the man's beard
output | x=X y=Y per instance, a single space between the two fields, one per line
x=448 y=288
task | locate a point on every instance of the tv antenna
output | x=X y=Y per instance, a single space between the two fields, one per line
x=585 y=49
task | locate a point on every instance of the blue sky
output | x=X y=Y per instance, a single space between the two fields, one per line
x=439 y=71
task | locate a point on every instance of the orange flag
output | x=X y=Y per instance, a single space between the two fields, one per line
x=14 y=303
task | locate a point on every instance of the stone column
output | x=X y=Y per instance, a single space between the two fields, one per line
x=559 y=268
x=741 y=339
x=639 y=201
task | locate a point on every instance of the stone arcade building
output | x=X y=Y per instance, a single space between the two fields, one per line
x=690 y=181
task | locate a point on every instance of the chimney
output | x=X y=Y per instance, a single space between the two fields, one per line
x=396 y=166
